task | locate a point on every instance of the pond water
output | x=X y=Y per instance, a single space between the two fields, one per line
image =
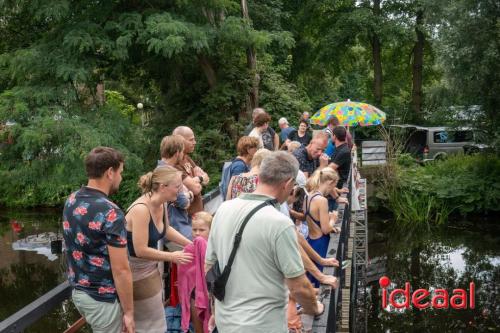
x=448 y=258
x=27 y=275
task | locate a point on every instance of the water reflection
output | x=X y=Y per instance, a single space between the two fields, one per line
x=447 y=258
x=26 y=275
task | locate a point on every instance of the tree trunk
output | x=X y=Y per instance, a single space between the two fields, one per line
x=101 y=98
x=208 y=70
x=252 y=100
x=417 y=67
x=376 y=57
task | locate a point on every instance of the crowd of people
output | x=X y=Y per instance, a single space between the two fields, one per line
x=269 y=237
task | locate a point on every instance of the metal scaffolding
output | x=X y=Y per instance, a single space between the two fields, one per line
x=360 y=262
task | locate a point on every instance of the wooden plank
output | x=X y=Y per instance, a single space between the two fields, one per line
x=378 y=162
x=373 y=144
x=76 y=326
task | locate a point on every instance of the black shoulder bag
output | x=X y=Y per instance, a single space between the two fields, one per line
x=220 y=279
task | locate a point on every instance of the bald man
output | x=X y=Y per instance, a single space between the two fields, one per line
x=311 y=157
x=193 y=177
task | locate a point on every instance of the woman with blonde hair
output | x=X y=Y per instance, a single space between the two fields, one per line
x=319 y=221
x=147 y=224
x=247 y=182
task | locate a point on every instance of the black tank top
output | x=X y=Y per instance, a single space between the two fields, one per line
x=154 y=235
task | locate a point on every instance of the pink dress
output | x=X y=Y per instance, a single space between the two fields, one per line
x=192 y=277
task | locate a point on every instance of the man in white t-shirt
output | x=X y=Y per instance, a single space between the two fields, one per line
x=267 y=264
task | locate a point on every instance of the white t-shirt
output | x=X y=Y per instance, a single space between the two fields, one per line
x=256 y=134
x=256 y=293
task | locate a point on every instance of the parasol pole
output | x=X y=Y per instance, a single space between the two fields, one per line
x=348 y=127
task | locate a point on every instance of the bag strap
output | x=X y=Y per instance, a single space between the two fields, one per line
x=237 y=238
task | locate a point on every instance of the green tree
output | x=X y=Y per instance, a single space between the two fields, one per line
x=470 y=51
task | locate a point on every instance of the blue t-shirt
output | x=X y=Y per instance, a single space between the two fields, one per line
x=91 y=222
x=238 y=167
x=284 y=133
x=330 y=148
x=177 y=212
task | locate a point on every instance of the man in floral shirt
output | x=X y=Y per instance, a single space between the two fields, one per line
x=96 y=240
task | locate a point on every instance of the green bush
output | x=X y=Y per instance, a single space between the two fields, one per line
x=460 y=184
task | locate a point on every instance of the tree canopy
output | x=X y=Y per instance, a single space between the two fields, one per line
x=72 y=73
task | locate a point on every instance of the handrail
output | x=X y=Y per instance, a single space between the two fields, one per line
x=28 y=315
x=327 y=323
x=32 y=312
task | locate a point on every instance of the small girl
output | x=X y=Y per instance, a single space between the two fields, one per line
x=193 y=292
x=202 y=222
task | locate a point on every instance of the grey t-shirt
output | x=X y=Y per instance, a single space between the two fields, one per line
x=256 y=293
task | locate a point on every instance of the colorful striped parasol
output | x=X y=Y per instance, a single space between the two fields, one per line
x=349 y=114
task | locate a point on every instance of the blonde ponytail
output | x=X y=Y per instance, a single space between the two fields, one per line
x=145 y=183
x=161 y=175
x=321 y=176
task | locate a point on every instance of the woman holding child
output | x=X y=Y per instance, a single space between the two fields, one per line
x=146 y=224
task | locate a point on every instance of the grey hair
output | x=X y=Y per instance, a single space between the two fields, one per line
x=278 y=167
x=283 y=121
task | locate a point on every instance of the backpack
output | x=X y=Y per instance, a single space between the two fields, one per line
x=226 y=177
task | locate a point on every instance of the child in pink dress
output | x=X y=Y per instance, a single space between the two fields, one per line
x=193 y=292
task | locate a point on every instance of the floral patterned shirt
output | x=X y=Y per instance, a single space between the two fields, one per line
x=91 y=222
x=242 y=184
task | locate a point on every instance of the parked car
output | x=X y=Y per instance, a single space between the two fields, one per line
x=431 y=143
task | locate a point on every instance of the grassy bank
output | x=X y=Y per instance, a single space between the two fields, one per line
x=418 y=194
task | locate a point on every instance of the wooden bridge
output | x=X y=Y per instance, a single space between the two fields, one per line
x=344 y=307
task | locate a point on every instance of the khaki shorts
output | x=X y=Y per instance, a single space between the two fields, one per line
x=103 y=317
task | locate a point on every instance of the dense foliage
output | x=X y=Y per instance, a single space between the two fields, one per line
x=458 y=185
x=72 y=73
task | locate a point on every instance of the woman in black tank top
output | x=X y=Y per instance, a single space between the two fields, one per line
x=146 y=224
